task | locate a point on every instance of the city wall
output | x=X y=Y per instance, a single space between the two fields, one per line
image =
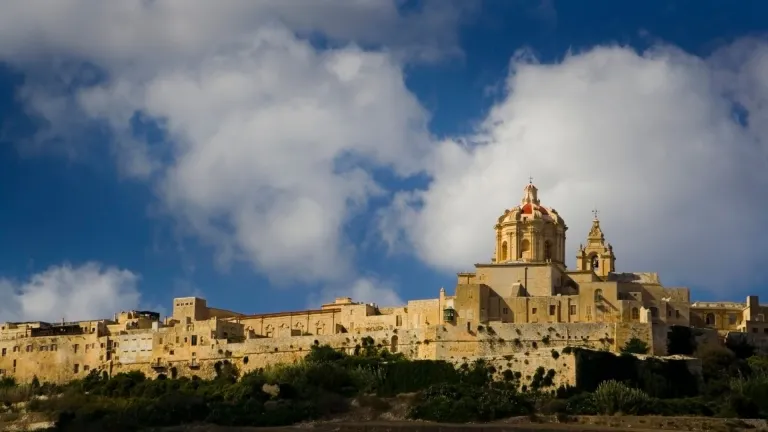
x=170 y=351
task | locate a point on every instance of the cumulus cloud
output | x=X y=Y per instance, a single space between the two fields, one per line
x=89 y=291
x=650 y=139
x=268 y=142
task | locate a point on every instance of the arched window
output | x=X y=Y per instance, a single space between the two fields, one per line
x=393 y=344
x=635 y=313
x=595 y=262
x=598 y=295
x=547 y=250
x=525 y=247
x=504 y=251
x=710 y=319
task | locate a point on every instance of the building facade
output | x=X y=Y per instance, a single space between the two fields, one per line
x=526 y=294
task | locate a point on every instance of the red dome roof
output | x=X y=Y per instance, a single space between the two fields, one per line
x=529 y=208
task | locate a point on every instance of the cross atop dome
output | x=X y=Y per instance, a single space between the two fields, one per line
x=530 y=194
x=595 y=212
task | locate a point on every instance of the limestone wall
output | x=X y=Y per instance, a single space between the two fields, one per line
x=194 y=350
x=526 y=363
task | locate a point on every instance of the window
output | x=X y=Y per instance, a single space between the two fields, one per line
x=171 y=353
x=160 y=341
x=598 y=295
x=552 y=309
x=3 y=352
x=765 y=330
x=75 y=347
x=76 y=368
x=194 y=340
x=710 y=319
x=635 y=313
x=504 y=250
x=731 y=319
x=29 y=348
x=533 y=311
x=53 y=347
x=669 y=313
x=572 y=309
x=177 y=339
x=86 y=367
x=677 y=313
x=504 y=311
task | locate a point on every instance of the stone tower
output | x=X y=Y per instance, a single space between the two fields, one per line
x=598 y=255
x=530 y=232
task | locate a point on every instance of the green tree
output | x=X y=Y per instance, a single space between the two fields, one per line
x=635 y=346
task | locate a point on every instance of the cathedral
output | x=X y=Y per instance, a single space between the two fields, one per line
x=526 y=280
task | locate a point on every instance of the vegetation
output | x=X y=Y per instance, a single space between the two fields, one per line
x=734 y=384
x=635 y=346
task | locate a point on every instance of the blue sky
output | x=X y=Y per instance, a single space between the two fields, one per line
x=270 y=157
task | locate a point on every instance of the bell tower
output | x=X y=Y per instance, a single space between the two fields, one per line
x=598 y=255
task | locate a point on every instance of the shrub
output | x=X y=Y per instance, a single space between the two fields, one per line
x=635 y=346
x=464 y=403
x=613 y=397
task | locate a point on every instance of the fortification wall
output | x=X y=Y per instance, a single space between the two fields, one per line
x=172 y=353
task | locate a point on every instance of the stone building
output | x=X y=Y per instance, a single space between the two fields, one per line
x=520 y=306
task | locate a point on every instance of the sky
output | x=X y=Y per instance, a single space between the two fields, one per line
x=272 y=155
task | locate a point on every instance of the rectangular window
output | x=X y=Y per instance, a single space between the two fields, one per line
x=573 y=309
x=29 y=348
x=53 y=347
x=552 y=309
x=76 y=368
x=86 y=367
x=3 y=352
x=194 y=340
x=505 y=311
x=75 y=347
x=677 y=313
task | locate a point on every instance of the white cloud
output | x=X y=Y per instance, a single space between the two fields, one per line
x=270 y=141
x=90 y=291
x=267 y=141
x=648 y=139
x=142 y=35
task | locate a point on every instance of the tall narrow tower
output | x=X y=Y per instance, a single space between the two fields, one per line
x=598 y=255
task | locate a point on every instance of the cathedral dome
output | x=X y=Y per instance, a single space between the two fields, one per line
x=530 y=231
